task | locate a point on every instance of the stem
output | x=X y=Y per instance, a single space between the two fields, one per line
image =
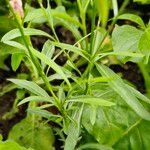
x=33 y=58
x=115 y=7
x=50 y=24
x=146 y=76
x=92 y=28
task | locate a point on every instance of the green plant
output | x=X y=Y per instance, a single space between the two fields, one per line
x=98 y=101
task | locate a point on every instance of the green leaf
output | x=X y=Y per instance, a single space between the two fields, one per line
x=103 y=9
x=97 y=40
x=74 y=130
x=126 y=38
x=119 y=87
x=133 y=18
x=11 y=145
x=94 y=146
x=32 y=134
x=52 y=64
x=142 y=1
x=71 y=48
x=35 y=16
x=36 y=99
x=44 y=113
x=138 y=94
x=16 y=60
x=83 y=4
x=91 y=100
x=27 y=31
x=137 y=138
x=30 y=86
x=144 y=44
x=48 y=50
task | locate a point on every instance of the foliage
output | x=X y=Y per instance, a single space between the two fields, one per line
x=95 y=100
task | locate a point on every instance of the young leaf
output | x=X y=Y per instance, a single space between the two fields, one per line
x=16 y=60
x=74 y=130
x=52 y=64
x=83 y=4
x=71 y=48
x=27 y=31
x=91 y=100
x=44 y=113
x=138 y=94
x=119 y=87
x=30 y=86
x=133 y=18
x=103 y=9
x=36 y=99
x=48 y=50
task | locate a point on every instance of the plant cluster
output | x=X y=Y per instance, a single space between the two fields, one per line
x=82 y=101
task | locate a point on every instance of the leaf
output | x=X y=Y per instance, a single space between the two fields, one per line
x=138 y=94
x=74 y=131
x=52 y=64
x=119 y=87
x=144 y=44
x=48 y=50
x=91 y=100
x=103 y=9
x=36 y=99
x=107 y=128
x=71 y=48
x=126 y=38
x=32 y=134
x=27 y=31
x=44 y=113
x=35 y=16
x=83 y=4
x=11 y=145
x=16 y=60
x=137 y=139
x=114 y=126
x=97 y=40
x=142 y=1
x=30 y=86
x=94 y=146
x=133 y=18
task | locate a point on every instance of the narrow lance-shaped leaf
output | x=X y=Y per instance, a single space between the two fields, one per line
x=30 y=86
x=72 y=49
x=48 y=50
x=91 y=100
x=119 y=87
x=27 y=31
x=36 y=99
x=74 y=131
x=52 y=64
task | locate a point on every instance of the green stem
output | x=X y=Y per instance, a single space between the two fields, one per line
x=34 y=59
x=50 y=24
x=146 y=76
